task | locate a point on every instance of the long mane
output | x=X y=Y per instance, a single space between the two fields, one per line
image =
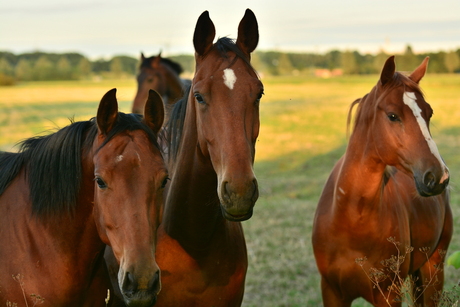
x=53 y=163
x=173 y=132
x=176 y=67
x=366 y=106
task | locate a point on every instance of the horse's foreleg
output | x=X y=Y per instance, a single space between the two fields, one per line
x=330 y=297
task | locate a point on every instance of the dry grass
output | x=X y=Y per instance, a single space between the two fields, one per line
x=303 y=133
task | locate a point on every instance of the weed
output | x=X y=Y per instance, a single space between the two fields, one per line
x=407 y=289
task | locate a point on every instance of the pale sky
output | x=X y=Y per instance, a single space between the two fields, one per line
x=103 y=28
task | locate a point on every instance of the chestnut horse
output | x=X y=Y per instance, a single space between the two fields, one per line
x=162 y=75
x=212 y=134
x=390 y=183
x=66 y=195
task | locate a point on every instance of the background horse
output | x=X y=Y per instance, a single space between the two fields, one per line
x=64 y=196
x=212 y=134
x=162 y=75
x=391 y=183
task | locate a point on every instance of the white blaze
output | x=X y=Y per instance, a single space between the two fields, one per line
x=229 y=78
x=410 y=100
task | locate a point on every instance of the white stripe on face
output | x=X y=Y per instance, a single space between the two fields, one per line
x=410 y=100
x=229 y=78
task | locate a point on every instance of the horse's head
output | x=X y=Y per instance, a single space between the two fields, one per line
x=130 y=176
x=225 y=95
x=401 y=128
x=152 y=75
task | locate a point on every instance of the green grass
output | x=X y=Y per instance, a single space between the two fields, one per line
x=303 y=133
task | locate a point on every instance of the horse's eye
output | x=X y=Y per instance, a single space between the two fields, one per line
x=165 y=181
x=393 y=117
x=259 y=97
x=199 y=98
x=100 y=183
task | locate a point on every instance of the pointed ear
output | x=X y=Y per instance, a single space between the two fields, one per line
x=204 y=34
x=107 y=112
x=420 y=71
x=154 y=113
x=142 y=57
x=388 y=70
x=248 y=33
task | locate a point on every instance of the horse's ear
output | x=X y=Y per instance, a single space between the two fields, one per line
x=248 y=33
x=154 y=112
x=142 y=57
x=107 y=112
x=420 y=71
x=388 y=70
x=204 y=34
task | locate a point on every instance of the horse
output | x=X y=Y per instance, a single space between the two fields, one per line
x=162 y=75
x=386 y=196
x=65 y=195
x=211 y=136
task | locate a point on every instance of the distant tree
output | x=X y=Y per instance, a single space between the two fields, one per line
x=284 y=65
x=408 y=61
x=349 y=64
x=23 y=70
x=84 y=68
x=452 y=61
x=5 y=67
x=379 y=60
x=116 y=68
x=64 y=70
x=186 y=61
x=43 y=69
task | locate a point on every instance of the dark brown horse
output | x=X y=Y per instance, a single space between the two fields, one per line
x=66 y=195
x=162 y=75
x=212 y=135
x=391 y=183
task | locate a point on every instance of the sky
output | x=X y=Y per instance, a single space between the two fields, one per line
x=104 y=28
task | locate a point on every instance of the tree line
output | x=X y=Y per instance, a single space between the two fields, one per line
x=41 y=66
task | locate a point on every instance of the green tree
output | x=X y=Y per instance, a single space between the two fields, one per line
x=451 y=61
x=23 y=70
x=408 y=61
x=43 y=69
x=349 y=64
x=284 y=65
x=64 y=70
x=116 y=67
x=84 y=68
x=5 y=67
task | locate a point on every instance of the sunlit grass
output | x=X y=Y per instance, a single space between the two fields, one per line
x=303 y=133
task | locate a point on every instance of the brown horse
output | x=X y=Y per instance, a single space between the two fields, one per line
x=391 y=183
x=212 y=133
x=162 y=75
x=65 y=195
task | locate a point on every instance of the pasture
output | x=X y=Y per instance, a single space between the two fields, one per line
x=303 y=133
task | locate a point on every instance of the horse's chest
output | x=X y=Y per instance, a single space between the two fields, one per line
x=214 y=280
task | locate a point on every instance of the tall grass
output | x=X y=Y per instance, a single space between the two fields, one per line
x=303 y=133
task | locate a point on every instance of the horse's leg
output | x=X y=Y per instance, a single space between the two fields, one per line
x=330 y=298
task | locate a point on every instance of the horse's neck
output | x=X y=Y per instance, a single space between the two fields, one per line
x=175 y=86
x=192 y=213
x=360 y=177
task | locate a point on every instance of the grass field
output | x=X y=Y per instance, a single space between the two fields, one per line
x=303 y=133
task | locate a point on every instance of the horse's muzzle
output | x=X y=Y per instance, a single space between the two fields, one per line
x=138 y=292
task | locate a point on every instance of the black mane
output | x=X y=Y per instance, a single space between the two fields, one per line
x=173 y=132
x=176 y=67
x=53 y=163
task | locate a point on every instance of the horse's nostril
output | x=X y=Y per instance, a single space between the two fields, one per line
x=429 y=180
x=154 y=284
x=129 y=285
